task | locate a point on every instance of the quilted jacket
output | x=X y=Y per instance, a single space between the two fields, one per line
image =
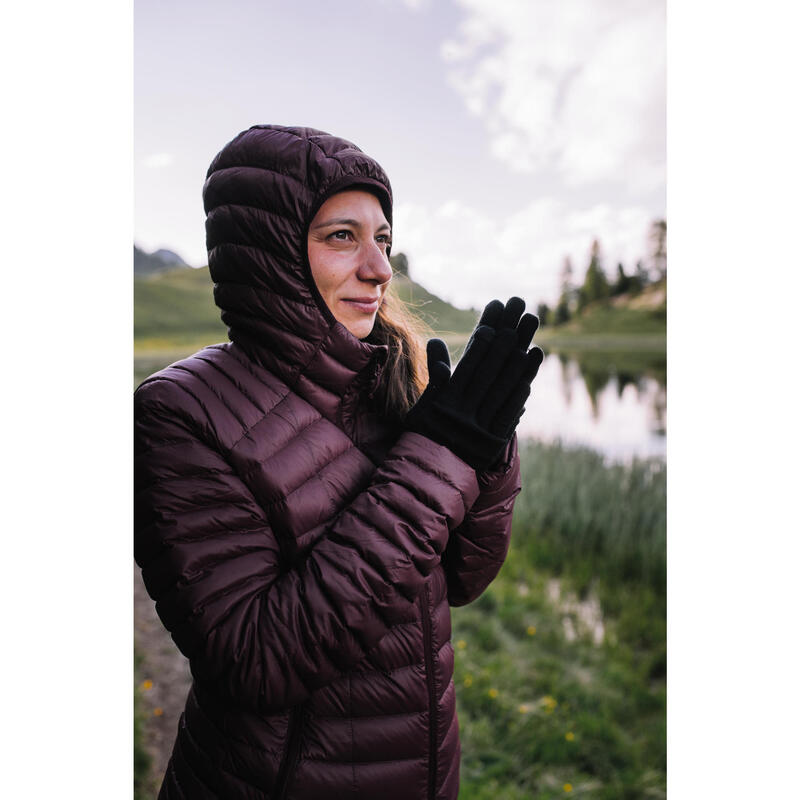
x=303 y=550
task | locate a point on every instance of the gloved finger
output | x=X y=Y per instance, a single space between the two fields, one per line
x=512 y=312
x=527 y=327
x=534 y=357
x=473 y=358
x=509 y=415
x=491 y=314
x=502 y=386
x=484 y=382
x=437 y=350
x=438 y=363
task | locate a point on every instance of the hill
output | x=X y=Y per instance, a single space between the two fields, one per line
x=158 y=261
x=637 y=321
x=176 y=306
x=444 y=319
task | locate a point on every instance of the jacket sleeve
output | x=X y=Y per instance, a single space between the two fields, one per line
x=258 y=633
x=478 y=547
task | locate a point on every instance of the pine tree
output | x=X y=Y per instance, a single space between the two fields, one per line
x=641 y=278
x=595 y=284
x=564 y=308
x=622 y=284
x=543 y=312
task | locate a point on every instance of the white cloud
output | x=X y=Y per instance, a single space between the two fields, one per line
x=158 y=160
x=578 y=86
x=469 y=258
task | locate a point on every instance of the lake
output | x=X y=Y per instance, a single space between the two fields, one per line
x=614 y=403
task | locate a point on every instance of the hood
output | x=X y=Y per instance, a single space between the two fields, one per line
x=261 y=192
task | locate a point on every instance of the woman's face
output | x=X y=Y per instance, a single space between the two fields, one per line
x=347 y=242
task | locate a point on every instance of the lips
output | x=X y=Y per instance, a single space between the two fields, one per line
x=367 y=305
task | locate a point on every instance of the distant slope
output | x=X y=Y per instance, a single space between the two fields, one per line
x=176 y=305
x=159 y=261
x=641 y=317
x=442 y=317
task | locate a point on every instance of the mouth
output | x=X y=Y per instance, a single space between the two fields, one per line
x=366 y=305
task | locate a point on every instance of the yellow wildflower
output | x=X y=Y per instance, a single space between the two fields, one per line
x=569 y=736
x=468 y=680
x=531 y=630
x=461 y=644
x=524 y=708
x=549 y=703
x=567 y=787
x=147 y=685
x=158 y=711
x=493 y=693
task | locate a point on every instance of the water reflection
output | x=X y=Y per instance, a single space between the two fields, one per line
x=614 y=402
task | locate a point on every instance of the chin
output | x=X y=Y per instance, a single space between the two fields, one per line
x=361 y=328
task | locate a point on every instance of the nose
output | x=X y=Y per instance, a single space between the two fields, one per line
x=375 y=266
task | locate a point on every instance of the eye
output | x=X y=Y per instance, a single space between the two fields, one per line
x=385 y=239
x=341 y=236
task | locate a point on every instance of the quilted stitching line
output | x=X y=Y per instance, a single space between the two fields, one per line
x=239 y=386
x=289 y=218
x=298 y=299
x=213 y=389
x=438 y=475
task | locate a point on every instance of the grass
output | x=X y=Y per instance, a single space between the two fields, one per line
x=177 y=305
x=579 y=515
x=560 y=664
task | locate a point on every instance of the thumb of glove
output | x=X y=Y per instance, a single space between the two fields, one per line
x=438 y=364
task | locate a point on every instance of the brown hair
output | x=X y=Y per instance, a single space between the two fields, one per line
x=405 y=374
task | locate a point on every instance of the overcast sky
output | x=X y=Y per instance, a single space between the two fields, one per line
x=513 y=131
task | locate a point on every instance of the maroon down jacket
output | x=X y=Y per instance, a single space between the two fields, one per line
x=303 y=551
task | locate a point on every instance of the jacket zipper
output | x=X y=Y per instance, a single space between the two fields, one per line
x=294 y=735
x=432 y=708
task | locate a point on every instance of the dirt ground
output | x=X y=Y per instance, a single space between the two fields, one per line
x=167 y=670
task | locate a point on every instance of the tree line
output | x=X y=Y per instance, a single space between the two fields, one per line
x=596 y=285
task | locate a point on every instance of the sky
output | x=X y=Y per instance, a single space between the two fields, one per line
x=513 y=132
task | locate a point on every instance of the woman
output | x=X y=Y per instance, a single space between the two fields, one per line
x=305 y=514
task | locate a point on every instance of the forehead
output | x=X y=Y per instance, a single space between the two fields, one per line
x=353 y=203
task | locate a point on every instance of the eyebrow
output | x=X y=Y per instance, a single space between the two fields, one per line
x=345 y=221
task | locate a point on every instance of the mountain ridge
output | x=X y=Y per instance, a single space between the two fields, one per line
x=145 y=263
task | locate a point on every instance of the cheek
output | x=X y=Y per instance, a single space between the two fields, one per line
x=329 y=273
x=320 y=271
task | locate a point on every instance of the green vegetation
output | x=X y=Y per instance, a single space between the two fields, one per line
x=176 y=306
x=561 y=663
x=597 y=312
x=142 y=761
x=607 y=319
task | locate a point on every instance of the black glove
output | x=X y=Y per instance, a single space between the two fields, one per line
x=474 y=412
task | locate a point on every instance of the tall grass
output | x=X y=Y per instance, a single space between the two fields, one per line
x=579 y=515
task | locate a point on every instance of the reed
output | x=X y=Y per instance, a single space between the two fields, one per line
x=581 y=516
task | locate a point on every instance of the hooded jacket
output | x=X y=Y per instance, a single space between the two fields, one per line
x=302 y=550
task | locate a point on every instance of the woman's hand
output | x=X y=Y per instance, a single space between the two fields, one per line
x=475 y=410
